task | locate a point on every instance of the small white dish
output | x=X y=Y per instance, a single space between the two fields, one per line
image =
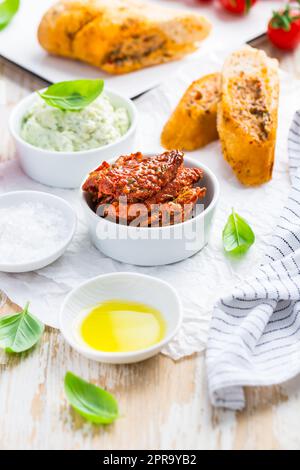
x=155 y=246
x=123 y=286
x=67 y=169
x=18 y=197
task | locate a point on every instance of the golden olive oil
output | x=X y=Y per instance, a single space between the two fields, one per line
x=122 y=326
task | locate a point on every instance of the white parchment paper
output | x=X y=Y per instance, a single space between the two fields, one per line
x=199 y=280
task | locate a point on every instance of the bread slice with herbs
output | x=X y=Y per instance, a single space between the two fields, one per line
x=247 y=114
x=120 y=36
x=193 y=124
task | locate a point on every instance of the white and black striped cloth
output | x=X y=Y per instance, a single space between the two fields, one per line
x=254 y=337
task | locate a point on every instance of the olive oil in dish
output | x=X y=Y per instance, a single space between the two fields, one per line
x=122 y=326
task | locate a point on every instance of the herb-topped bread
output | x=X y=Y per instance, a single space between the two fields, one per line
x=247 y=114
x=193 y=123
x=120 y=36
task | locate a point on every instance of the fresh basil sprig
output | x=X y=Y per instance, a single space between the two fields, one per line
x=91 y=402
x=8 y=9
x=73 y=95
x=237 y=235
x=20 y=331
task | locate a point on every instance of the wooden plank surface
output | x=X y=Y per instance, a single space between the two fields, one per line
x=164 y=405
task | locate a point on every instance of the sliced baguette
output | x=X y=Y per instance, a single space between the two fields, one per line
x=247 y=114
x=193 y=123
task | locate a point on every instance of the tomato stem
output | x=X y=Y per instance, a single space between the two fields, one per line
x=283 y=19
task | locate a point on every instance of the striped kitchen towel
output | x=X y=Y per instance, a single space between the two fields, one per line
x=254 y=337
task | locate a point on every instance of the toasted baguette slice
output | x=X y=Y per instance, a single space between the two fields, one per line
x=193 y=124
x=120 y=36
x=247 y=114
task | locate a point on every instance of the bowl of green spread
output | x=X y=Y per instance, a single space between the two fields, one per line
x=58 y=147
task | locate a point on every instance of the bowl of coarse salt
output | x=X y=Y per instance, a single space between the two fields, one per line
x=35 y=230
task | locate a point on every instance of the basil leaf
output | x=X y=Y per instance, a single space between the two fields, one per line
x=73 y=95
x=19 y=332
x=91 y=402
x=8 y=9
x=237 y=235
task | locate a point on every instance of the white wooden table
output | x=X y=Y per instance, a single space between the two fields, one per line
x=164 y=405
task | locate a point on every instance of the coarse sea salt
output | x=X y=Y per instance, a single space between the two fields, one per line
x=30 y=231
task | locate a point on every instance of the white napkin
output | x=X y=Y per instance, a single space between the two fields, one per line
x=255 y=331
x=195 y=279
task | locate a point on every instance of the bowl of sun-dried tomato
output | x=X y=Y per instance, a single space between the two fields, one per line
x=150 y=209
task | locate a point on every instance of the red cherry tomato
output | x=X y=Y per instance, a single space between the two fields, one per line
x=238 y=6
x=285 y=36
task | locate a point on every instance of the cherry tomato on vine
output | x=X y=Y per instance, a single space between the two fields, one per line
x=284 y=28
x=239 y=7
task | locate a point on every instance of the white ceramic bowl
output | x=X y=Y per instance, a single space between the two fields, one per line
x=18 y=197
x=156 y=245
x=67 y=169
x=123 y=286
